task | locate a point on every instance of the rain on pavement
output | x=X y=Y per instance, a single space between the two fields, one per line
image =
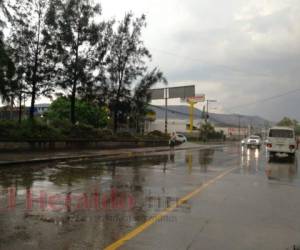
x=91 y=204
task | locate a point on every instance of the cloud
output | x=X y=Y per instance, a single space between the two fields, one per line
x=236 y=51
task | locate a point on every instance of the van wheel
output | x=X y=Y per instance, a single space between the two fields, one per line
x=292 y=157
x=271 y=156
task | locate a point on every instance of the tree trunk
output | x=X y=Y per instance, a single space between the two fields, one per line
x=11 y=108
x=115 y=121
x=137 y=124
x=35 y=69
x=32 y=105
x=116 y=109
x=116 y=115
x=73 y=100
x=20 y=108
x=74 y=87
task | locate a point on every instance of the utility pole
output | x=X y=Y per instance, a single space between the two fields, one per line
x=239 y=126
x=206 y=117
x=207 y=113
x=174 y=92
x=166 y=110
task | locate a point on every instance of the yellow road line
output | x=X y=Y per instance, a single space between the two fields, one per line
x=168 y=210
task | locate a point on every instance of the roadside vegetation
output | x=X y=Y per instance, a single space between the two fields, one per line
x=207 y=132
x=64 y=131
x=96 y=68
x=288 y=122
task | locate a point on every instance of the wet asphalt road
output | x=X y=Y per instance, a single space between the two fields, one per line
x=90 y=205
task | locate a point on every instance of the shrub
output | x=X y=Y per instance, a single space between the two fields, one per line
x=63 y=130
x=104 y=134
x=82 y=131
x=57 y=130
x=38 y=130
x=157 y=134
x=86 y=113
x=8 y=129
x=124 y=135
x=207 y=132
x=27 y=130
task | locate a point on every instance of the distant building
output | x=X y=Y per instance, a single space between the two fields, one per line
x=41 y=109
x=12 y=113
x=178 y=119
x=232 y=126
x=233 y=132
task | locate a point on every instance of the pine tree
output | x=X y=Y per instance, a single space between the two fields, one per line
x=28 y=49
x=96 y=91
x=142 y=95
x=7 y=68
x=77 y=38
x=127 y=62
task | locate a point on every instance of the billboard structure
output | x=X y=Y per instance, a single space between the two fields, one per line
x=174 y=92
x=157 y=94
x=183 y=92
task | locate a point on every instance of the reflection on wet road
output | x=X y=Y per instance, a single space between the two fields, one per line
x=282 y=170
x=89 y=205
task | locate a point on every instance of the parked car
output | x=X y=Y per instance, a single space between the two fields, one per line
x=281 y=141
x=177 y=139
x=181 y=138
x=253 y=141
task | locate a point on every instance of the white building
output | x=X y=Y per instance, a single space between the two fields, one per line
x=233 y=131
x=178 y=119
x=232 y=125
x=40 y=109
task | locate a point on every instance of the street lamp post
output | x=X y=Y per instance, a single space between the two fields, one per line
x=166 y=110
x=207 y=104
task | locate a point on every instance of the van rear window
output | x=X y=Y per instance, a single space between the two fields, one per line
x=281 y=133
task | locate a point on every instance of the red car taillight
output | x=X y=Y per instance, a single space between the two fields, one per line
x=292 y=147
x=269 y=145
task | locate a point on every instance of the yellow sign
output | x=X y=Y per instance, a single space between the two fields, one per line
x=151 y=116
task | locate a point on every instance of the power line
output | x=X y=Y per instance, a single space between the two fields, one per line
x=174 y=111
x=264 y=100
x=212 y=118
x=183 y=113
x=235 y=70
x=238 y=106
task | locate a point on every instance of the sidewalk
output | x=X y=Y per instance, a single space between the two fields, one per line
x=7 y=159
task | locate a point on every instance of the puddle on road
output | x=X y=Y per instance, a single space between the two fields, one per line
x=95 y=202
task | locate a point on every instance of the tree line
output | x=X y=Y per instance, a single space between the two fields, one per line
x=289 y=122
x=66 y=48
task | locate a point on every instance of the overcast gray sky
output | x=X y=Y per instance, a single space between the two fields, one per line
x=235 y=51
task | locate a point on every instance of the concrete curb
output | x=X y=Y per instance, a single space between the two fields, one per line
x=106 y=157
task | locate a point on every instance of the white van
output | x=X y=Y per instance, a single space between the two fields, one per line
x=281 y=141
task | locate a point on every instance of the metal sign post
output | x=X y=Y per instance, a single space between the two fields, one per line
x=175 y=92
x=166 y=111
x=207 y=113
x=192 y=107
